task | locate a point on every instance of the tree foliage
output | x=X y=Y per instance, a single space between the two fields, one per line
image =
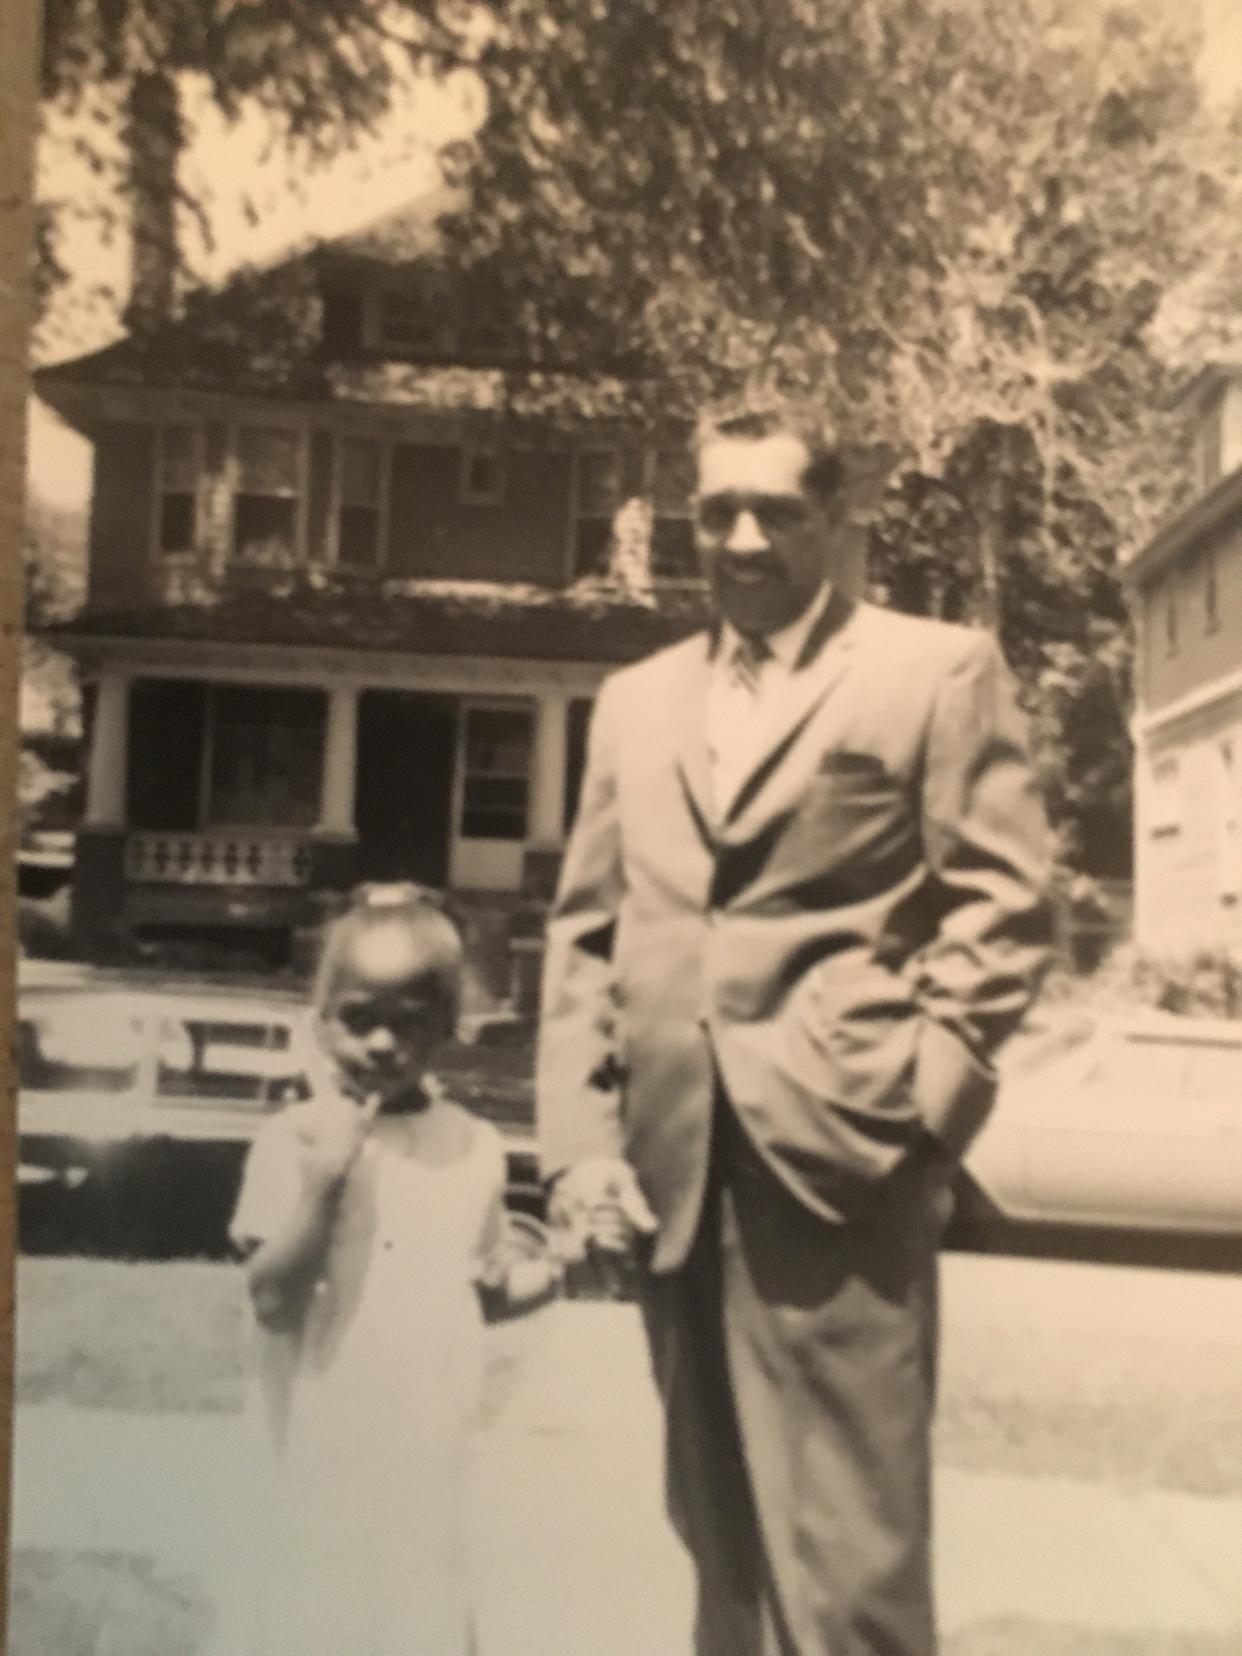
x=952 y=221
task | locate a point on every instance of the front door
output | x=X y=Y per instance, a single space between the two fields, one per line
x=407 y=742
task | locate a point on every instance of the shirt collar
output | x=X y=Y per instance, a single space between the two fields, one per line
x=786 y=644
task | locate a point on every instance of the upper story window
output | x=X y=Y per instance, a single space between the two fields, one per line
x=1165 y=797
x=673 y=555
x=178 y=467
x=606 y=478
x=1208 y=442
x=361 y=502
x=1170 y=618
x=482 y=480
x=267 y=501
x=1211 y=592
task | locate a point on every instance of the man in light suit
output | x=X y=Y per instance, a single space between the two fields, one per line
x=803 y=903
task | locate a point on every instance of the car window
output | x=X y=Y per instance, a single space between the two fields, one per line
x=80 y=1045
x=227 y=1060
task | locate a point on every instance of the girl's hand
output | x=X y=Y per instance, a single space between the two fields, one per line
x=332 y=1133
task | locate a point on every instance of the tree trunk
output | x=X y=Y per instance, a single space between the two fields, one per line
x=153 y=136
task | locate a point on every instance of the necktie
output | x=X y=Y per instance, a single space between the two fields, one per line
x=749 y=655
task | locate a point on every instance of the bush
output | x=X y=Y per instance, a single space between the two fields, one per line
x=1206 y=983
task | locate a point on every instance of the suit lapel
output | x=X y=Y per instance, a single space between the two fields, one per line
x=689 y=715
x=823 y=659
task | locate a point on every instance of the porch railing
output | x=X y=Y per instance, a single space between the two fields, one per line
x=221 y=858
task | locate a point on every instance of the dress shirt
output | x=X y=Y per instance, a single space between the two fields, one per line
x=745 y=695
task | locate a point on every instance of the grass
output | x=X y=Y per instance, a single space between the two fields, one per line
x=108 y=1334
x=1122 y=1412
x=113 y=1335
x=101 y=1604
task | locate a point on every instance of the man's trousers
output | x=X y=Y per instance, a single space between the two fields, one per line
x=796 y=1361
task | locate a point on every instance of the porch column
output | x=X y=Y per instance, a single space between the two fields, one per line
x=547 y=814
x=108 y=771
x=340 y=762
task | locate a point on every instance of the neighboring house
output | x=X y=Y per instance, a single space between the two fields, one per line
x=354 y=578
x=1186 y=594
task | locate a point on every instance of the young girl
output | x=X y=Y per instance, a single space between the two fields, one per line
x=368 y=1217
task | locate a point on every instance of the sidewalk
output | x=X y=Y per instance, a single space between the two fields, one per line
x=573 y=1554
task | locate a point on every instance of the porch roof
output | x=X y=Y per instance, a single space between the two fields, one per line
x=590 y=622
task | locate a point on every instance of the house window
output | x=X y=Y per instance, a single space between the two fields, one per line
x=178 y=465
x=359 y=539
x=267 y=499
x=411 y=322
x=482 y=481
x=1228 y=823
x=266 y=756
x=1208 y=442
x=495 y=772
x=597 y=496
x=1170 y=619
x=1211 y=593
x=1166 y=798
x=671 y=488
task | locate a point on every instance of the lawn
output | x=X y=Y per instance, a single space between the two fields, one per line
x=110 y=1334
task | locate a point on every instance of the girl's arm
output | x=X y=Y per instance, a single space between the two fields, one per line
x=284 y=1268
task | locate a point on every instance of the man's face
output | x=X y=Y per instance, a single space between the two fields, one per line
x=762 y=537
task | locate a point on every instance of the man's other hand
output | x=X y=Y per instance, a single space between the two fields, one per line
x=597 y=1203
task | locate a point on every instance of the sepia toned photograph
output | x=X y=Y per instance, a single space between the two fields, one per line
x=627 y=1018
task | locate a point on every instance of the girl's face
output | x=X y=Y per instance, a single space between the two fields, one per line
x=381 y=1016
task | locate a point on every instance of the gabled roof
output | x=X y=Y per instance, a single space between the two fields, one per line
x=1201 y=519
x=590 y=622
x=262 y=334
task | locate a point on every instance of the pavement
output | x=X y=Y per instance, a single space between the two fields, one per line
x=573 y=1556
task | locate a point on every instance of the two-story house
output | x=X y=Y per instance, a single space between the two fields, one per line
x=1185 y=589
x=354 y=578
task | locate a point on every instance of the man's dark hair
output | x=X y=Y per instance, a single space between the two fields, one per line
x=768 y=416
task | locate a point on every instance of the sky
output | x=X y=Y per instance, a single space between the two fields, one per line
x=294 y=206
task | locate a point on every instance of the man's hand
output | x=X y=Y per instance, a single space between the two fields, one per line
x=597 y=1203
x=332 y=1133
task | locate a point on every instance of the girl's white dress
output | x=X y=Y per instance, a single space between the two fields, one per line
x=359 y=1538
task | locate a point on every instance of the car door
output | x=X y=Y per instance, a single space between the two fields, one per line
x=1144 y=1135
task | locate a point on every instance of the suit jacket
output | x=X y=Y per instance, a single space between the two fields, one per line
x=843 y=944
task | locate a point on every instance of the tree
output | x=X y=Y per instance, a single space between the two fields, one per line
x=322 y=73
x=953 y=220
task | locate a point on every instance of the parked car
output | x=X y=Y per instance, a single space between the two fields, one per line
x=1123 y=1122
x=148 y=1095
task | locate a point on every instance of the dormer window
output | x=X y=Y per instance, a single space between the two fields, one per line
x=178 y=465
x=411 y=323
x=482 y=481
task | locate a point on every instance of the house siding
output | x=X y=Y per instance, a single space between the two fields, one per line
x=1202 y=652
x=432 y=533
x=1188 y=890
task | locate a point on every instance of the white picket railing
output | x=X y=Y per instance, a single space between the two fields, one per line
x=222 y=858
